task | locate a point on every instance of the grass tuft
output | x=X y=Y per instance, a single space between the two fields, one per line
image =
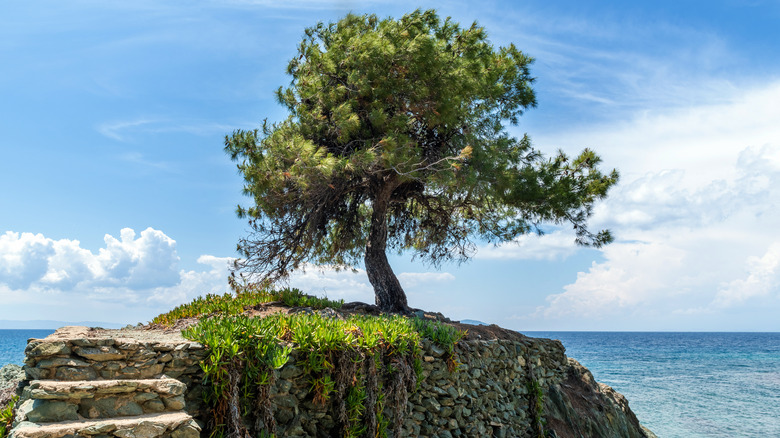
x=235 y=304
x=7 y=417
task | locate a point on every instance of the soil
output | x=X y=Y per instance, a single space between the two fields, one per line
x=487 y=332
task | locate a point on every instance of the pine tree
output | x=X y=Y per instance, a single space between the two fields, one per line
x=396 y=142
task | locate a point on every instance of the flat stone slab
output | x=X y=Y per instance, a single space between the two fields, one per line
x=172 y=424
x=58 y=390
x=130 y=334
x=48 y=401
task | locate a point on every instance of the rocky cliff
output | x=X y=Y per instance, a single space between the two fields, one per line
x=578 y=406
x=136 y=383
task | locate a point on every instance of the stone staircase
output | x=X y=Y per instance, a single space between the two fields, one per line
x=90 y=383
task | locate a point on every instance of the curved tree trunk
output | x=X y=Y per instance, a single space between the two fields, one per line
x=390 y=296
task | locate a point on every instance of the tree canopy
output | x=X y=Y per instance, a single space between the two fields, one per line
x=396 y=141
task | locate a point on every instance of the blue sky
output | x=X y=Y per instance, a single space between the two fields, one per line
x=117 y=202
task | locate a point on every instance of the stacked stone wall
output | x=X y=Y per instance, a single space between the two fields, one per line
x=492 y=392
x=489 y=393
x=92 y=359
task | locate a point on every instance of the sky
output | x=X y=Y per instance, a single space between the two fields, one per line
x=118 y=203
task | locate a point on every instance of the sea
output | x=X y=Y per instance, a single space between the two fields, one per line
x=13 y=342
x=688 y=385
x=680 y=385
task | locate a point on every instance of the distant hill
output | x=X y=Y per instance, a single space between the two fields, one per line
x=472 y=322
x=52 y=325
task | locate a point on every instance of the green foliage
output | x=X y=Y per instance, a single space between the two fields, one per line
x=443 y=335
x=338 y=356
x=355 y=407
x=7 y=417
x=537 y=406
x=396 y=141
x=242 y=354
x=235 y=304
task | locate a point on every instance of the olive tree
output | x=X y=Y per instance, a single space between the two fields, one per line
x=396 y=141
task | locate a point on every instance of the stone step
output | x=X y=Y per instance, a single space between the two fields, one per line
x=71 y=354
x=47 y=401
x=163 y=425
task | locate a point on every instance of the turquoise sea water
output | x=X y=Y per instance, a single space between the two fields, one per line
x=688 y=385
x=12 y=343
x=680 y=385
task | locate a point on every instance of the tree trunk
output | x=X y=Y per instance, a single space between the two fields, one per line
x=390 y=296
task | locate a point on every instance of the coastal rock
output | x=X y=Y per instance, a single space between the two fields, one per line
x=10 y=377
x=578 y=406
x=10 y=374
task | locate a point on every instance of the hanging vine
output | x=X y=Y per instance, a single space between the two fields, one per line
x=344 y=359
x=536 y=402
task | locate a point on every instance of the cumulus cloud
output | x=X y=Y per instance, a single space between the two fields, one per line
x=24 y=259
x=139 y=274
x=703 y=141
x=762 y=279
x=333 y=282
x=633 y=274
x=194 y=283
x=675 y=260
x=556 y=245
x=660 y=199
x=353 y=284
x=413 y=279
x=134 y=269
x=150 y=260
x=694 y=215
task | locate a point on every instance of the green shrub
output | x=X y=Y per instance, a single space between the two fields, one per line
x=341 y=358
x=7 y=417
x=245 y=297
x=359 y=363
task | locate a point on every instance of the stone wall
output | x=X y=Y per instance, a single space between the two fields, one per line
x=487 y=395
x=490 y=394
x=92 y=359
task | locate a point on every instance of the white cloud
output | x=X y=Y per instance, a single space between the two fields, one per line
x=24 y=258
x=115 y=130
x=703 y=141
x=135 y=270
x=334 y=283
x=196 y=283
x=633 y=274
x=762 y=279
x=557 y=245
x=698 y=202
x=136 y=276
x=414 y=279
x=125 y=130
x=353 y=285
x=148 y=261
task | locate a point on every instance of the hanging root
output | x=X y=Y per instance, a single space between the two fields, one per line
x=218 y=415
x=536 y=402
x=372 y=386
x=235 y=428
x=403 y=381
x=346 y=373
x=264 y=415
